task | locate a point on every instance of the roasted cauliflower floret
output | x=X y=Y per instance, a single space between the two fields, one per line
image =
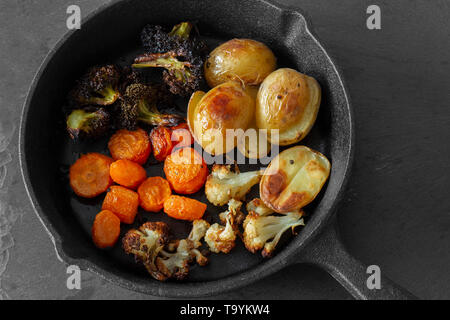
x=258 y=206
x=258 y=230
x=146 y=243
x=174 y=260
x=223 y=238
x=224 y=184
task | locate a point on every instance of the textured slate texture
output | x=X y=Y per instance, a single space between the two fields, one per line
x=396 y=213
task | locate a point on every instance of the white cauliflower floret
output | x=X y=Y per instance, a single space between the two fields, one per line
x=258 y=230
x=175 y=263
x=258 y=206
x=223 y=238
x=223 y=184
x=162 y=260
x=146 y=243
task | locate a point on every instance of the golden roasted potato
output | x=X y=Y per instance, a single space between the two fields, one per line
x=227 y=106
x=288 y=101
x=245 y=60
x=293 y=179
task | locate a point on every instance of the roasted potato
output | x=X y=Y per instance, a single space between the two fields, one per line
x=288 y=101
x=293 y=179
x=227 y=106
x=244 y=60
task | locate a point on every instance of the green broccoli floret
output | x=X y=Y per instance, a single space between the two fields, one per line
x=87 y=124
x=98 y=86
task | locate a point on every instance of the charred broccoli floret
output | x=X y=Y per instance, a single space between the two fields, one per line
x=224 y=184
x=258 y=230
x=139 y=104
x=178 y=52
x=146 y=243
x=83 y=123
x=223 y=238
x=98 y=86
x=174 y=262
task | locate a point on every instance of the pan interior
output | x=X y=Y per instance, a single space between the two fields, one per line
x=112 y=36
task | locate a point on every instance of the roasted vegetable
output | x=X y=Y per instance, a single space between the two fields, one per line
x=293 y=179
x=98 y=86
x=258 y=230
x=162 y=259
x=153 y=193
x=88 y=123
x=257 y=206
x=223 y=184
x=288 y=101
x=222 y=238
x=185 y=170
x=89 y=175
x=139 y=104
x=161 y=138
x=174 y=262
x=122 y=202
x=179 y=53
x=106 y=229
x=127 y=173
x=184 y=208
x=243 y=60
x=130 y=145
x=146 y=243
x=222 y=111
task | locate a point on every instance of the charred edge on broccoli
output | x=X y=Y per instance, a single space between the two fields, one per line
x=98 y=86
x=178 y=52
x=139 y=104
x=82 y=123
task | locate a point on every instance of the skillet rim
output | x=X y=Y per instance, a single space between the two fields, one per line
x=284 y=258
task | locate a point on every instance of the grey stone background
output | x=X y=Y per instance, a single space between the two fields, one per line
x=397 y=210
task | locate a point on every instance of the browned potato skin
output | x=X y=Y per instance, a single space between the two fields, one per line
x=227 y=106
x=288 y=101
x=293 y=179
x=243 y=60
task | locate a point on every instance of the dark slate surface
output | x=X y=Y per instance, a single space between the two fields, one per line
x=397 y=210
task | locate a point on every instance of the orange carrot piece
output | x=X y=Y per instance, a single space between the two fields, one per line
x=130 y=145
x=185 y=170
x=153 y=192
x=106 y=229
x=184 y=208
x=127 y=173
x=161 y=142
x=122 y=202
x=89 y=175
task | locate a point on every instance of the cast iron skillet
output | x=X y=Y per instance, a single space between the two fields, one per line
x=111 y=35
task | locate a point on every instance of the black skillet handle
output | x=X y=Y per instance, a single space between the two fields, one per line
x=327 y=252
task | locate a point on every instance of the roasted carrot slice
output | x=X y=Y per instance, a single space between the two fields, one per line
x=161 y=142
x=130 y=145
x=184 y=208
x=153 y=192
x=185 y=170
x=106 y=229
x=122 y=202
x=89 y=175
x=127 y=173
